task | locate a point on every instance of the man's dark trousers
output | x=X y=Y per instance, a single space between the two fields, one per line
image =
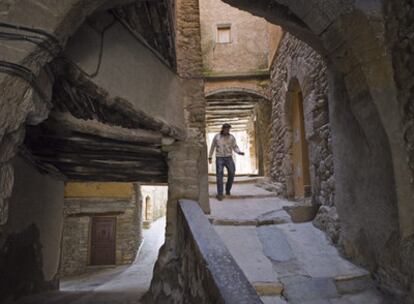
x=227 y=162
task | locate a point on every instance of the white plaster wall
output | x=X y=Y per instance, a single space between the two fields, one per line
x=129 y=70
x=38 y=199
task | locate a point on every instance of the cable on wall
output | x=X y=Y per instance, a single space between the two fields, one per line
x=24 y=73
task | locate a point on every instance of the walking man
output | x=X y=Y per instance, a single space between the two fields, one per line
x=224 y=144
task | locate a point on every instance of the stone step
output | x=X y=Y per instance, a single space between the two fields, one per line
x=243 y=191
x=248 y=222
x=268 y=288
x=262 y=211
x=306 y=290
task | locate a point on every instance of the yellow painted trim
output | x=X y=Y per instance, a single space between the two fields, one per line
x=92 y=189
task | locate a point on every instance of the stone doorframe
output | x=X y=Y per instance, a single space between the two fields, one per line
x=293 y=87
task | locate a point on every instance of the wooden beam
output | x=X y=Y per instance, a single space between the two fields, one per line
x=64 y=121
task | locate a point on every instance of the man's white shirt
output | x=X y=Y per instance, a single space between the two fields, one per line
x=224 y=145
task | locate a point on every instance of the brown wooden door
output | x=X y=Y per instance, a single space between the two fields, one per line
x=300 y=158
x=103 y=241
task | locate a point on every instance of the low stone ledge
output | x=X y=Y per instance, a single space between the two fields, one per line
x=248 y=222
x=301 y=212
x=268 y=288
x=216 y=272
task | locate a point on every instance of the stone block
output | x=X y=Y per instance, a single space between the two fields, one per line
x=300 y=213
x=275 y=244
x=268 y=288
x=353 y=284
x=299 y=290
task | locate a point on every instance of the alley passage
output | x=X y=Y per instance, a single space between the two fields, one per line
x=115 y=285
x=286 y=262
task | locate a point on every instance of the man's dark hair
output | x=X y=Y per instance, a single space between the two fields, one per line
x=225 y=126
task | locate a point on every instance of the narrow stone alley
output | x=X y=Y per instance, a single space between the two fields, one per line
x=286 y=262
x=116 y=113
x=121 y=284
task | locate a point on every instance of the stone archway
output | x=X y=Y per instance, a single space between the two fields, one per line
x=249 y=111
x=368 y=139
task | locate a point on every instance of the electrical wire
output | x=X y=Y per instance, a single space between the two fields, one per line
x=44 y=44
x=24 y=73
x=32 y=30
x=43 y=39
x=47 y=42
x=98 y=67
x=100 y=56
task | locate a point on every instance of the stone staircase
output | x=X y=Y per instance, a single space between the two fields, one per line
x=286 y=262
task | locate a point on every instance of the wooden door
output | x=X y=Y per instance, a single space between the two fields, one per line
x=300 y=158
x=103 y=241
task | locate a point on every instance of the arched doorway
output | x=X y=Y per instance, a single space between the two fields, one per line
x=300 y=154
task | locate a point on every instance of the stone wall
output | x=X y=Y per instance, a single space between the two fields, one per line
x=296 y=61
x=78 y=214
x=264 y=135
x=248 y=50
x=399 y=25
x=30 y=241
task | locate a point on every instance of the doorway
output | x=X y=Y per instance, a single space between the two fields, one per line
x=103 y=241
x=300 y=155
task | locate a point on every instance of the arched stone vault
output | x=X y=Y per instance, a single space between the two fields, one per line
x=240 y=90
x=366 y=120
x=21 y=105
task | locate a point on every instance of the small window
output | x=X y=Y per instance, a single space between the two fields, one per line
x=223 y=34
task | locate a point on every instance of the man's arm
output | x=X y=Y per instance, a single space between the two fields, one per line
x=236 y=147
x=212 y=148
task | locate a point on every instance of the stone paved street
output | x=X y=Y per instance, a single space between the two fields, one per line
x=124 y=284
x=286 y=262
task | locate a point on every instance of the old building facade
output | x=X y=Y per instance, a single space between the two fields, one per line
x=102 y=225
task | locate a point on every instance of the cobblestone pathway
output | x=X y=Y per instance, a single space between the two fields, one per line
x=286 y=262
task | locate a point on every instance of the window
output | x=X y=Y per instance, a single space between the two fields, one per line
x=223 y=33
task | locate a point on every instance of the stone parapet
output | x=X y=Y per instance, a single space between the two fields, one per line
x=208 y=271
